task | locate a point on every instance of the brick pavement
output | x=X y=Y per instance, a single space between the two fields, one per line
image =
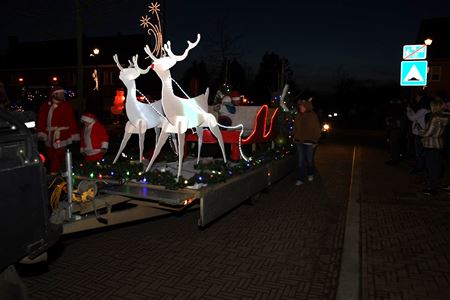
x=285 y=246
x=405 y=236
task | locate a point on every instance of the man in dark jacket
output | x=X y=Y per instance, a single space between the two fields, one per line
x=306 y=137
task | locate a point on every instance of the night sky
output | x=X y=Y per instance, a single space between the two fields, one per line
x=363 y=38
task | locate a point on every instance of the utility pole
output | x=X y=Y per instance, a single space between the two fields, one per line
x=81 y=105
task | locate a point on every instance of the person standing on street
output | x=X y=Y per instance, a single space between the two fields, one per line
x=57 y=127
x=433 y=143
x=94 y=138
x=306 y=137
x=417 y=115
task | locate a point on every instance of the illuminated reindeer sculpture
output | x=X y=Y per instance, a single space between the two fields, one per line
x=181 y=113
x=141 y=116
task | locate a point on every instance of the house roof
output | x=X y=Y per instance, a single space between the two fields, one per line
x=437 y=29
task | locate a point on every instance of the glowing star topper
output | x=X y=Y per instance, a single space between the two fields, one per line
x=154 y=29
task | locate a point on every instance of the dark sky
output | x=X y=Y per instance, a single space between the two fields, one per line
x=364 y=38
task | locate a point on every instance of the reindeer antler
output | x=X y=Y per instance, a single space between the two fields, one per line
x=183 y=56
x=116 y=59
x=135 y=62
x=149 y=52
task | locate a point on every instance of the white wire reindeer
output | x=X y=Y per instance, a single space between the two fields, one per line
x=141 y=116
x=181 y=113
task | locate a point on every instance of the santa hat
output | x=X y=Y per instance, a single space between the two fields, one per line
x=56 y=89
x=235 y=96
x=88 y=118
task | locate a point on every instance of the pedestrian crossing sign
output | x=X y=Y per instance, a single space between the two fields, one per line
x=413 y=73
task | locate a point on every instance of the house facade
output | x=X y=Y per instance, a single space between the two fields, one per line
x=438 y=30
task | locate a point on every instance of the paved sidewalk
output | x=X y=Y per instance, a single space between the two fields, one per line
x=405 y=235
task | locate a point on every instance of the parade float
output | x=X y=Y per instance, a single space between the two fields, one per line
x=106 y=193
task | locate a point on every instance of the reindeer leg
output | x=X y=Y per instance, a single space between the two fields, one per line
x=161 y=141
x=157 y=133
x=142 y=128
x=181 y=137
x=126 y=137
x=181 y=127
x=200 y=141
x=212 y=124
x=174 y=140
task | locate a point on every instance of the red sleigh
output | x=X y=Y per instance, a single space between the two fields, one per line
x=262 y=132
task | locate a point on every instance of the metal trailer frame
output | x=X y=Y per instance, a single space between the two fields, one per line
x=219 y=199
x=142 y=201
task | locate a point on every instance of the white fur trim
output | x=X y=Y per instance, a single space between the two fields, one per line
x=87 y=119
x=90 y=152
x=87 y=137
x=57 y=91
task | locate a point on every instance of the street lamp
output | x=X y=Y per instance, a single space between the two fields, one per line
x=94 y=53
x=428 y=41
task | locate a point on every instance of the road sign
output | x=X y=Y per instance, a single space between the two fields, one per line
x=411 y=52
x=413 y=73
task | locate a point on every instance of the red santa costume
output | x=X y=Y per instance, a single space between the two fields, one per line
x=94 y=139
x=57 y=127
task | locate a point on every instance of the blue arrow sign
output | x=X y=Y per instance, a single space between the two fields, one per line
x=413 y=73
x=411 y=52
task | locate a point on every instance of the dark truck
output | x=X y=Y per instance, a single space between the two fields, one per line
x=25 y=229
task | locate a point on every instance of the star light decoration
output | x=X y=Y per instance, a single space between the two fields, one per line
x=154 y=29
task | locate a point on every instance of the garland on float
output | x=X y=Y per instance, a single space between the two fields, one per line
x=213 y=172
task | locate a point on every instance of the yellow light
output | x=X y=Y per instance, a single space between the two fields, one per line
x=20 y=79
x=325 y=127
x=428 y=41
x=96 y=51
x=54 y=78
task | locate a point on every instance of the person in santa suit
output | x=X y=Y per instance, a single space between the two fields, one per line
x=94 y=138
x=57 y=127
x=227 y=108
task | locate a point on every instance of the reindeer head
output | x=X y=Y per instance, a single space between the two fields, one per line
x=130 y=73
x=163 y=64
